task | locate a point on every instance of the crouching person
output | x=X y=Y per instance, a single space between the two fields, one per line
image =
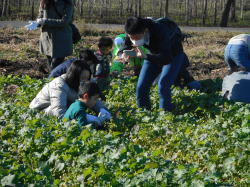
x=88 y=95
x=57 y=95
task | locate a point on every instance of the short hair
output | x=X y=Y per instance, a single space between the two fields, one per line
x=135 y=25
x=105 y=42
x=91 y=88
x=74 y=72
x=88 y=56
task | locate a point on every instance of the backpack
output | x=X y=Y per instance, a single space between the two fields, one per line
x=174 y=29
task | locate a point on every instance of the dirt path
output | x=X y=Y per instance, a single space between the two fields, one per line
x=18 y=24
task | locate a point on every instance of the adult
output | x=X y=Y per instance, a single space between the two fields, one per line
x=237 y=52
x=54 y=18
x=166 y=57
x=56 y=96
x=236 y=85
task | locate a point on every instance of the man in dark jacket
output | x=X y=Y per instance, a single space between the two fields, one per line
x=166 y=57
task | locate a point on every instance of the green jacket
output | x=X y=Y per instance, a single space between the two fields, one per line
x=118 y=66
x=56 y=35
x=77 y=111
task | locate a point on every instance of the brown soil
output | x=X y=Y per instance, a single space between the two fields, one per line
x=199 y=70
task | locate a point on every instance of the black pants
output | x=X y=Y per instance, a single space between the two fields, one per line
x=53 y=62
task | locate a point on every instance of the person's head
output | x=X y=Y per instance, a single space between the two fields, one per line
x=88 y=56
x=136 y=28
x=78 y=72
x=105 y=45
x=89 y=93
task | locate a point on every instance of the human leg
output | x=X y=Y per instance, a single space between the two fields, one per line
x=168 y=75
x=147 y=75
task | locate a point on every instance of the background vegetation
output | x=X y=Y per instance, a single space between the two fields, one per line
x=185 y=12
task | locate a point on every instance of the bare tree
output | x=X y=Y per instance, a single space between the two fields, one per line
x=225 y=14
x=233 y=10
x=215 y=12
x=204 y=15
x=166 y=8
x=241 y=9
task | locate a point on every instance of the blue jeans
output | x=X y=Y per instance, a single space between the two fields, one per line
x=168 y=74
x=237 y=55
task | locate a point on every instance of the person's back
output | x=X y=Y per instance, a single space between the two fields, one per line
x=62 y=68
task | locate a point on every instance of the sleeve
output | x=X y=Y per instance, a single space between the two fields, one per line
x=81 y=118
x=127 y=45
x=66 y=18
x=164 y=56
x=58 y=99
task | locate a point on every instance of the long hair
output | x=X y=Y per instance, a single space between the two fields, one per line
x=74 y=72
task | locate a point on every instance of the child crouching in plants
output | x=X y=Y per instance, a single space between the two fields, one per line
x=88 y=95
x=104 y=56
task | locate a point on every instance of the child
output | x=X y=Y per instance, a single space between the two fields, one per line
x=134 y=62
x=88 y=95
x=104 y=56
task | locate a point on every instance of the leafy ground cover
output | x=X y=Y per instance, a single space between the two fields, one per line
x=205 y=142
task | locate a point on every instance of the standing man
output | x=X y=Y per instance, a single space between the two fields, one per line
x=166 y=58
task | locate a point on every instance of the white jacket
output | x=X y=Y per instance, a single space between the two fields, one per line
x=55 y=97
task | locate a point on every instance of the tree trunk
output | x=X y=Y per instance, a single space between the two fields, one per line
x=121 y=8
x=4 y=10
x=166 y=8
x=139 y=8
x=225 y=14
x=233 y=10
x=215 y=12
x=187 y=12
x=81 y=8
x=32 y=10
x=241 y=9
x=204 y=15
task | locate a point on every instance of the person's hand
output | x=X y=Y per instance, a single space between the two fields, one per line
x=106 y=113
x=124 y=58
x=139 y=53
x=32 y=25
x=93 y=119
x=41 y=21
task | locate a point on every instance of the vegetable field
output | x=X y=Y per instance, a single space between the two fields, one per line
x=204 y=142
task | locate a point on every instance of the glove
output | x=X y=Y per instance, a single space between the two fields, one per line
x=104 y=112
x=32 y=25
x=41 y=21
x=93 y=119
x=102 y=117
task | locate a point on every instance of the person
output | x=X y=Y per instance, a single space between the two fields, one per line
x=57 y=95
x=236 y=84
x=236 y=87
x=237 y=52
x=86 y=55
x=104 y=56
x=118 y=66
x=54 y=18
x=164 y=39
x=88 y=96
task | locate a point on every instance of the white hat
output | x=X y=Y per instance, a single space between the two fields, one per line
x=118 y=41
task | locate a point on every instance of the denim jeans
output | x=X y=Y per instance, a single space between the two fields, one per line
x=168 y=74
x=237 y=55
